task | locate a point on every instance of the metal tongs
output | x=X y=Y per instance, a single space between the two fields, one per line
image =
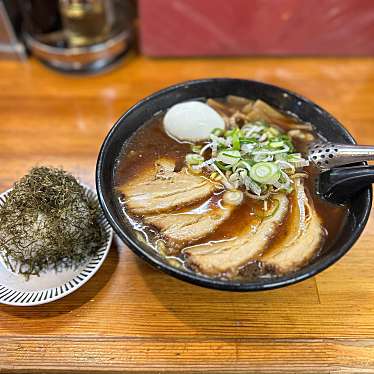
x=337 y=183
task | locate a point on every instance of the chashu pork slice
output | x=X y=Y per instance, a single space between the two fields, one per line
x=303 y=239
x=161 y=189
x=180 y=229
x=229 y=255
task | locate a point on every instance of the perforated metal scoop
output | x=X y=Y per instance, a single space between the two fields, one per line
x=325 y=156
x=340 y=184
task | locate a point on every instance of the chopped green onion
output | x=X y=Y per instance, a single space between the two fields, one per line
x=222 y=166
x=235 y=141
x=242 y=164
x=253 y=157
x=301 y=163
x=262 y=157
x=194 y=159
x=217 y=131
x=276 y=144
x=288 y=142
x=196 y=148
x=273 y=131
x=228 y=133
x=294 y=157
x=232 y=154
x=248 y=140
x=229 y=156
x=252 y=186
x=265 y=172
x=281 y=156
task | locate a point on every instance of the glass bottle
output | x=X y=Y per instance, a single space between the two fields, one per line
x=86 y=22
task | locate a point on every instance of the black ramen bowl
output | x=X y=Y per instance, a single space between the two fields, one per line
x=284 y=100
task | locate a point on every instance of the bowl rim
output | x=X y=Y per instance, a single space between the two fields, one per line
x=214 y=283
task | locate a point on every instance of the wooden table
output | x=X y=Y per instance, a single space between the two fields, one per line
x=130 y=317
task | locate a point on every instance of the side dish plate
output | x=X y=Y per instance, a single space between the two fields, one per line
x=51 y=285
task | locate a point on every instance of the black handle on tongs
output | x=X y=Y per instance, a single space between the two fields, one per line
x=340 y=184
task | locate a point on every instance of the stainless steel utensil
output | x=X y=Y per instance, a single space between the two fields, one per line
x=337 y=180
x=325 y=156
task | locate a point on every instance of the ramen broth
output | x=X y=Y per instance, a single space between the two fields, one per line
x=150 y=143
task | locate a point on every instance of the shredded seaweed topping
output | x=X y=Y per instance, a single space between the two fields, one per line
x=48 y=221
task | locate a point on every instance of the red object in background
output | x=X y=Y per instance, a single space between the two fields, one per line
x=256 y=27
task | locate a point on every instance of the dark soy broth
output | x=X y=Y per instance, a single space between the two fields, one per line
x=150 y=142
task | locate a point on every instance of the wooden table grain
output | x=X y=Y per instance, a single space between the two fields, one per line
x=133 y=318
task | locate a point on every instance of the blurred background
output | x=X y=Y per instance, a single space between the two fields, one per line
x=90 y=35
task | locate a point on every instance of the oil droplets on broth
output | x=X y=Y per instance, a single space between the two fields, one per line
x=221 y=188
